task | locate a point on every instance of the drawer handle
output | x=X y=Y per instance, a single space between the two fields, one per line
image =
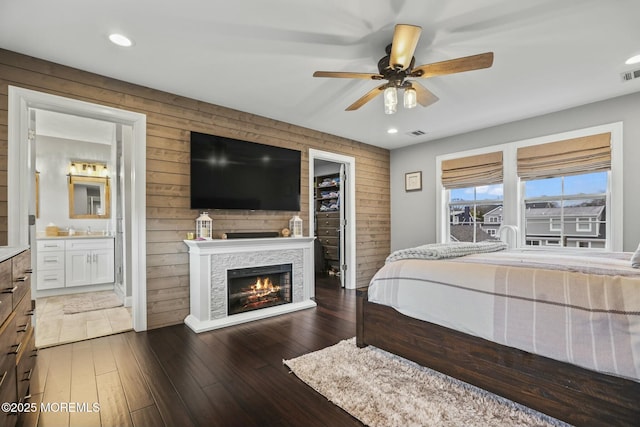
x=10 y=290
x=29 y=270
x=24 y=327
x=28 y=378
x=22 y=279
x=51 y=261
x=18 y=347
x=3 y=377
x=30 y=312
x=50 y=245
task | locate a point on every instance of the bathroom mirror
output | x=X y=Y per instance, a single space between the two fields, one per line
x=89 y=197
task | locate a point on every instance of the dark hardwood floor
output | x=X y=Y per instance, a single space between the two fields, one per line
x=174 y=377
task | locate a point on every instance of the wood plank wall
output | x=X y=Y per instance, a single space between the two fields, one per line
x=169 y=120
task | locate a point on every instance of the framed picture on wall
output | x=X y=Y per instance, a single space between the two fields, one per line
x=413 y=181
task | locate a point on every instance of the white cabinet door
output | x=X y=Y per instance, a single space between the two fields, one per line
x=89 y=262
x=102 y=266
x=78 y=268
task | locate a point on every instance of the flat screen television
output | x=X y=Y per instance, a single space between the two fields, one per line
x=228 y=173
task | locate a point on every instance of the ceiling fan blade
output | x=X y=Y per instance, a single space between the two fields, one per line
x=424 y=96
x=405 y=40
x=347 y=75
x=467 y=63
x=367 y=97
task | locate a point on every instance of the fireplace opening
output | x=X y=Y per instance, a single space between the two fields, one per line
x=254 y=288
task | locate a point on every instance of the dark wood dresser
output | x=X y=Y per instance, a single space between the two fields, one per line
x=17 y=339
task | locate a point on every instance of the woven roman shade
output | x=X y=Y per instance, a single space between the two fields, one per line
x=472 y=171
x=568 y=157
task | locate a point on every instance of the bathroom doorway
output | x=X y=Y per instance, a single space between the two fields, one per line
x=79 y=160
x=128 y=211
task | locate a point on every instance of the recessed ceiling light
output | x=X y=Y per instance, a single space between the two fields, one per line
x=392 y=130
x=120 y=40
x=633 y=60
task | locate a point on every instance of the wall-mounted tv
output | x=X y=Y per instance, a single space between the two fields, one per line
x=228 y=173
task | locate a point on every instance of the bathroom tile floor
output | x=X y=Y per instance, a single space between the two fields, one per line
x=54 y=327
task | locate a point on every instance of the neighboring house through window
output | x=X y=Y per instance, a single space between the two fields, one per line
x=561 y=190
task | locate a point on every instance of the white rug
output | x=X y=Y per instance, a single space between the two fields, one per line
x=91 y=301
x=381 y=389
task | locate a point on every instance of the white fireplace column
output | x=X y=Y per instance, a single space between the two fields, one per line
x=209 y=261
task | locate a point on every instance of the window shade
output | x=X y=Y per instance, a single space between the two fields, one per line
x=483 y=169
x=569 y=157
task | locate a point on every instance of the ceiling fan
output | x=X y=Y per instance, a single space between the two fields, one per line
x=398 y=66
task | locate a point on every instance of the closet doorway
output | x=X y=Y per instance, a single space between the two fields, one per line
x=23 y=106
x=332 y=215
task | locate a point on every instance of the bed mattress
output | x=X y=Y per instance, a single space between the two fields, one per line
x=582 y=309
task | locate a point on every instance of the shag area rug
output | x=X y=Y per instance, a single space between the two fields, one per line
x=381 y=389
x=90 y=301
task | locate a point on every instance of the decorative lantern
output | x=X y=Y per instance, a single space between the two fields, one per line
x=295 y=225
x=203 y=226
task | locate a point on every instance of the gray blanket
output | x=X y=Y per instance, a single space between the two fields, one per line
x=446 y=250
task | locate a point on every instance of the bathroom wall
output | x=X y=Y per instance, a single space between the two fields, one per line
x=53 y=156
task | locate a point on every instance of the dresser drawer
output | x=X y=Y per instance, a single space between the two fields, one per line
x=5 y=298
x=327 y=232
x=8 y=394
x=24 y=313
x=25 y=364
x=328 y=215
x=50 y=245
x=331 y=253
x=328 y=241
x=8 y=340
x=50 y=260
x=21 y=276
x=328 y=222
x=50 y=279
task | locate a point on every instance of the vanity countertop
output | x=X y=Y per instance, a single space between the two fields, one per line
x=76 y=236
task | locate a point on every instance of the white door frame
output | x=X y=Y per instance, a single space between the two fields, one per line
x=20 y=100
x=349 y=207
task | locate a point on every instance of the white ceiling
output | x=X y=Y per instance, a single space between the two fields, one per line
x=259 y=56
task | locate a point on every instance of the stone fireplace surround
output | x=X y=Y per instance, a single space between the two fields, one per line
x=209 y=261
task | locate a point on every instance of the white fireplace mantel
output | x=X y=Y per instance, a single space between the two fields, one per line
x=209 y=261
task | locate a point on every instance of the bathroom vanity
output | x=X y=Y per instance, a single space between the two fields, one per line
x=68 y=262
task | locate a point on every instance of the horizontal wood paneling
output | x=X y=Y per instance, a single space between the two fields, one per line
x=170 y=118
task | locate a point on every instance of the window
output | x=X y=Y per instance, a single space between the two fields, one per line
x=563 y=203
x=560 y=191
x=467 y=208
x=474 y=189
x=583 y=224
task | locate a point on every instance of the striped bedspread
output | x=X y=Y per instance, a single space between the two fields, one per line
x=580 y=309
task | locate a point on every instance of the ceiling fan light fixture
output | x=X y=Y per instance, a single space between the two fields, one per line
x=410 y=98
x=390 y=100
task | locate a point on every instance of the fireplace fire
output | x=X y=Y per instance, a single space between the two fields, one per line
x=258 y=287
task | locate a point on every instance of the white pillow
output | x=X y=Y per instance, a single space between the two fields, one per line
x=635 y=259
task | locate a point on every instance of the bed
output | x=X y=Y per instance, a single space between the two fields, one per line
x=559 y=334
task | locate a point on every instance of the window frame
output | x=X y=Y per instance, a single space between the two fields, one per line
x=513 y=187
